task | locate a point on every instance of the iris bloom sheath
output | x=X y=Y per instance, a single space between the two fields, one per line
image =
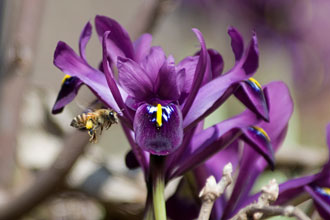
x=161 y=103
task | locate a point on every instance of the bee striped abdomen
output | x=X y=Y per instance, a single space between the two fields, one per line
x=79 y=121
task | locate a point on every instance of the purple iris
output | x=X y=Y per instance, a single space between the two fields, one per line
x=249 y=162
x=162 y=104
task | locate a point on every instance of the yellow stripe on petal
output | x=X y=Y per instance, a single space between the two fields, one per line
x=326 y=190
x=255 y=82
x=159 y=115
x=262 y=131
x=65 y=78
x=89 y=124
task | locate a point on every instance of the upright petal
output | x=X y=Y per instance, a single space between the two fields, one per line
x=237 y=43
x=120 y=42
x=153 y=62
x=214 y=93
x=199 y=74
x=166 y=84
x=70 y=63
x=134 y=79
x=142 y=47
x=83 y=40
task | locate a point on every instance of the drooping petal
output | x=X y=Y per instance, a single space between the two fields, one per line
x=251 y=94
x=214 y=93
x=321 y=199
x=237 y=43
x=166 y=83
x=134 y=79
x=158 y=139
x=70 y=63
x=153 y=62
x=198 y=75
x=68 y=92
x=142 y=47
x=120 y=42
x=83 y=40
x=252 y=164
x=141 y=156
x=206 y=143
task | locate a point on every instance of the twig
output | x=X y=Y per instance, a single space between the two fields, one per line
x=47 y=182
x=263 y=209
x=213 y=190
x=270 y=211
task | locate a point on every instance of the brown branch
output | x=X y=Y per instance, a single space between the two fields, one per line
x=47 y=181
x=270 y=211
x=262 y=209
x=213 y=190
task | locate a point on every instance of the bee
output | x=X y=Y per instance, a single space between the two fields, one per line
x=95 y=121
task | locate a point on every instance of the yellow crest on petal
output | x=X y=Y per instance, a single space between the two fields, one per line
x=253 y=80
x=262 y=131
x=159 y=114
x=65 y=78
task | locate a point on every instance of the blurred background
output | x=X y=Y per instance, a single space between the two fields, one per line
x=41 y=177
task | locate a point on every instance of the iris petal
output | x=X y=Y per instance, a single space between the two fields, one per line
x=68 y=92
x=251 y=94
x=158 y=140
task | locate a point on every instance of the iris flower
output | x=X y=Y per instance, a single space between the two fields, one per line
x=249 y=164
x=316 y=185
x=162 y=104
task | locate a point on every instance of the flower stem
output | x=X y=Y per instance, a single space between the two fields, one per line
x=158 y=186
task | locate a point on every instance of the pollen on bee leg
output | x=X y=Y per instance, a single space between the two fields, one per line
x=89 y=124
x=159 y=115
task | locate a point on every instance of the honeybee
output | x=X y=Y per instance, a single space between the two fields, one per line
x=95 y=121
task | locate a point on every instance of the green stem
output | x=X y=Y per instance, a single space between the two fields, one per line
x=158 y=186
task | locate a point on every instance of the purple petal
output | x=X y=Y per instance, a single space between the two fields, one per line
x=153 y=62
x=281 y=107
x=206 y=143
x=157 y=140
x=166 y=83
x=251 y=62
x=199 y=74
x=214 y=93
x=237 y=44
x=217 y=64
x=251 y=94
x=120 y=42
x=111 y=81
x=141 y=156
x=83 y=40
x=321 y=200
x=131 y=161
x=134 y=79
x=68 y=92
x=142 y=47
x=70 y=63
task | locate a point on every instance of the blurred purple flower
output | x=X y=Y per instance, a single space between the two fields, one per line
x=162 y=104
x=251 y=165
